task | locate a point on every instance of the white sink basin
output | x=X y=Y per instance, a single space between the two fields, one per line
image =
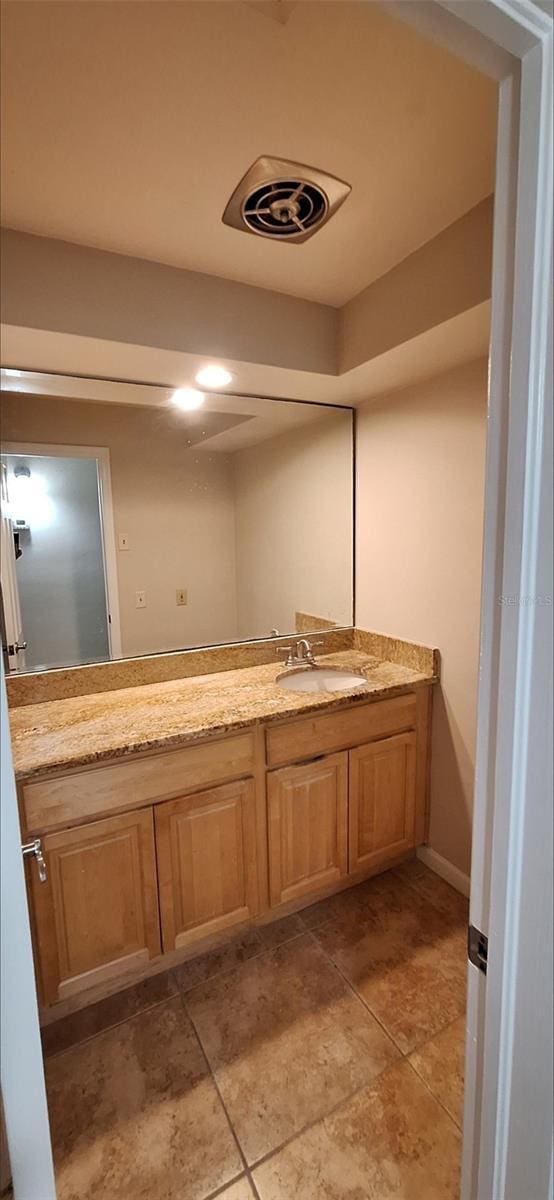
x=320 y=679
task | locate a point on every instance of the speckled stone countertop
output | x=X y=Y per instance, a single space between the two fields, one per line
x=57 y=734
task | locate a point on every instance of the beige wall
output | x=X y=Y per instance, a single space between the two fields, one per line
x=56 y=285
x=447 y=276
x=65 y=288
x=152 y=467
x=420 y=494
x=284 y=564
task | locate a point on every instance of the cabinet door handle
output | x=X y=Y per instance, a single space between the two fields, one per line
x=35 y=848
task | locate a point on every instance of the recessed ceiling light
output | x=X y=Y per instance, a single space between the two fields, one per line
x=213 y=377
x=188 y=399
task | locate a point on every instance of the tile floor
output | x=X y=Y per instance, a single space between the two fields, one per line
x=320 y=1058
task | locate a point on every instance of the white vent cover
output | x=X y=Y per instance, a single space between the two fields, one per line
x=284 y=200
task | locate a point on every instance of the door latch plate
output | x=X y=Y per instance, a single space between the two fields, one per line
x=477 y=948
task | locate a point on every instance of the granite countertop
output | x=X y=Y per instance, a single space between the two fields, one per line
x=57 y=734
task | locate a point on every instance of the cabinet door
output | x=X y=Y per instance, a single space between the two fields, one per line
x=308 y=817
x=96 y=917
x=207 y=865
x=382 y=801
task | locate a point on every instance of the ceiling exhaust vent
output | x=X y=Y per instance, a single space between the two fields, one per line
x=284 y=200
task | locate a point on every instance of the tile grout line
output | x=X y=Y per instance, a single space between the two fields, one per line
x=414 y=888
x=405 y=1055
x=180 y=996
x=253 y=1185
x=220 y=1191
x=249 y=1168
x=346 y=1100
x=435 y=1098
x=348 y=891
x=216 y=1085
x=116 y=1025
x=314 y=932
x=259 y=1162
x=433 y=1036
x=358 y=996
x=350 y=1095
x=363 y=1001
x=424 y=1081
x=237 y=966
x=171 y=971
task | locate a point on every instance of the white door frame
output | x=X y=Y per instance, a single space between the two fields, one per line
x=508 y=1109
x=15 y=653
x=507 y=1145
x=102 y=456
x=22 y=1072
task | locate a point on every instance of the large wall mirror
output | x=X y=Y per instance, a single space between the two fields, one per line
x=133 y=524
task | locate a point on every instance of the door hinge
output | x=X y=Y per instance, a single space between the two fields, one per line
x=477 y=948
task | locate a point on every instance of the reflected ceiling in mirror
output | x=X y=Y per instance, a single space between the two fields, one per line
x=134 y=526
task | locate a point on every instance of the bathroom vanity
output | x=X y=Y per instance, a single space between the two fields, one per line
x=172 y=788
x=168 y=814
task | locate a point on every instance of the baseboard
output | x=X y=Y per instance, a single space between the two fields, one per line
x=441 y=866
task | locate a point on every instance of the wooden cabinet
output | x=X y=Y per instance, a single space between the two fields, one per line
x=207 y=862
x=382 y=801
x=308 y=821
x=325 y=733
x=79 y=796
x=134 y=872
x=96 y=917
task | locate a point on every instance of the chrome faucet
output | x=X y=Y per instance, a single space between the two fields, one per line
x=300 y=653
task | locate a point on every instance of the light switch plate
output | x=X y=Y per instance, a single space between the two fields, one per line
x=181 y=596
x=123 y=542
x=140 y=599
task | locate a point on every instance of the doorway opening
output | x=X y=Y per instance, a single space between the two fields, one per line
x=58 y=584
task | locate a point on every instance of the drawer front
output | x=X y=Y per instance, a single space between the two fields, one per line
x=54 y=803
x=338 y=730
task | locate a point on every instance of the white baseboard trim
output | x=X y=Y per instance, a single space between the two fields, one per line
x=441 y=866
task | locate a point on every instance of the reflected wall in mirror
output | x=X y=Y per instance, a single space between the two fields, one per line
x=131 y=526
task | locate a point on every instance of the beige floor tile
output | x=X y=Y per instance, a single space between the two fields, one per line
x=214 y=962
x=440 y=1063
x=135 y=1115
x=417 y=998
x=111 y=1011
x=390 y=1142
x=350 y=902
x=405 y=959
x=439 y=893
x=287 y=1041
x=411 y=870
x=383 y=930
x=238 y=1191
x=453 y=948
x=278 y=932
